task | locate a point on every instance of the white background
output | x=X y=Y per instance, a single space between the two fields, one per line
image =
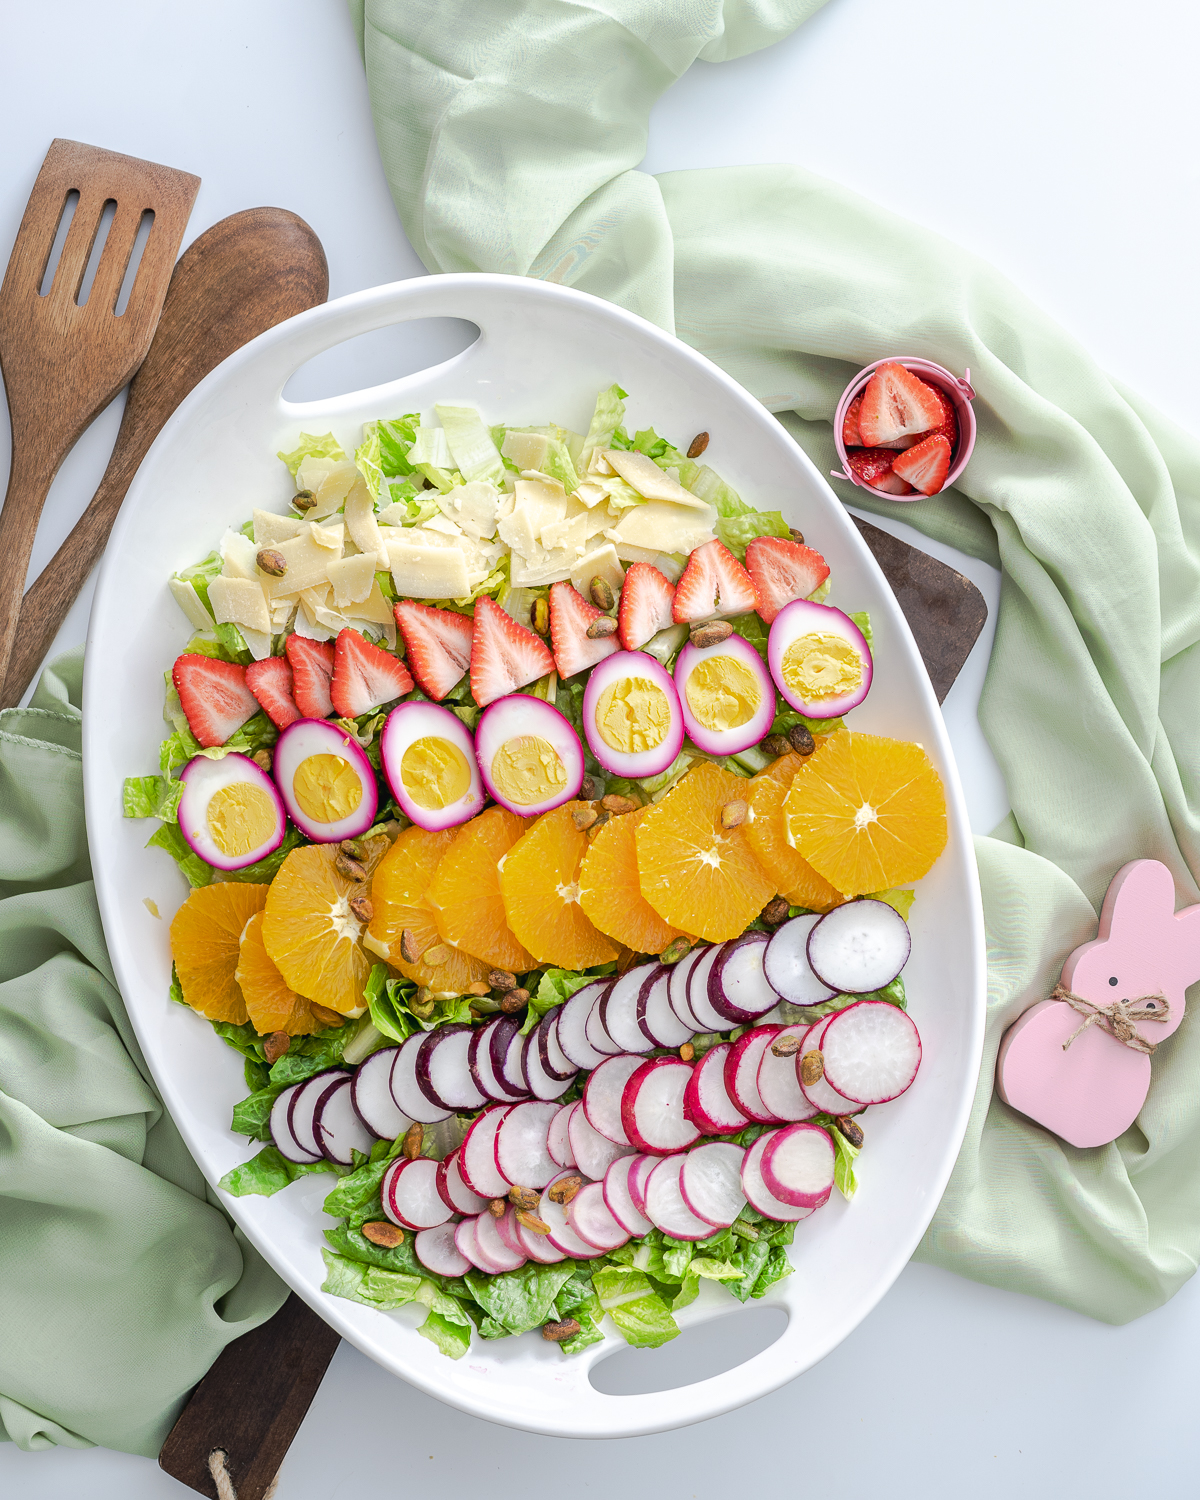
x=1057 y=140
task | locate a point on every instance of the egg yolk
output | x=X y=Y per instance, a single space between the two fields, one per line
x=327 y=788
x=434 y=772
x=821 y=666
x=527 y=769
x=633 y=714
x=240 y=817
x=722 y=693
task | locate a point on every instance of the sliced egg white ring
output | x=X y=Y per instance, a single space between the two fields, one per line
x=429 y=760
x=529 y=755
x=631 y=715
x=230 y=813
x=726 y=695
x=326 y=781
x=819 y=659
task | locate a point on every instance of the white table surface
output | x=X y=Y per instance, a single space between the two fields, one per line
x=1061 y=140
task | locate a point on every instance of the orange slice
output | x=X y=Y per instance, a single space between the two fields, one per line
x=766 y=833
x=465 y=891
x=310 y=932
x=205 y=935
x=270 y=1004
x=399 y=896
x=540 y=885
x=610 y=894
x=696 y=875
x=867 y=813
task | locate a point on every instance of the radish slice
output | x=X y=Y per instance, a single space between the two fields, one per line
x=438 y=1251
x=590 y=1218
x=502 y=739
x=285 y=1142
x=557 y=1140
x=786 y=963
x=779 y=1082
x=562 y=1236
x=619 y=1010
x=336 y=1126
x=539 y=1247
x=708 y=1018
x=711 y=1183
x=572 y=1018
x=677 y=989
x=860 y=946
x=411 y=1099
x=555 y=1062
x=594 y=1029
x=711 y=680
x=741 y=1073
x=493 y=1248
x=477 y=1154
x=602 y=1098
x=506 y=1228
x=706 y=1100
x=455 y=1193
x=797 y=1165
x=500 y=1040
x=654 y=1014
x=302 y=1111
x=542 y=1085
x=872 y=1051
x=804 y=637
x=521 y=1155
x=639 y=1175
x=737 y=987
x=511 y=1070
x=758 y=1195
x=619 y=1198
x=479 y=1060
x=593 y=1152
x=444 y=1070
x=410 y=1189
x=652 y=1106
x=465 y=1243
x=371 y=1095
x=665 y=1207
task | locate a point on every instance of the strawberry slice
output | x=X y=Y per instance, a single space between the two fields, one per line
x=312 y=669
x=365 y=676
x=214 y=696
x=570 y=616
x=892 y=484
x=504 y=655
x=437 y=643
x=948 y=426
x=270 y=680
x=895 y=403
x=646 y=599
x=714 y=583
x=925 y=467
x=871 y=464
x=851 y=436
x=782 y=571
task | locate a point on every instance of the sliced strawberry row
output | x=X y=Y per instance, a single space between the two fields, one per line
x=571 y=617
x=364 y=676
x=504 y=655
x=895 y=415
x=437 y=644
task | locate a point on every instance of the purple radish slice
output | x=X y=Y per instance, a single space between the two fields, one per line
x=602 y=1098
x=594 y=1153
x=619 y=1197
x=561 y=1235
x=786 y=963
x=859 y=947
x=336 y=1126
x=372 y=1096
x=259 y=811
x=654 y=1014
x=572 y=1019
x=444 y=1071
x=712 y=679
x=522 y=1158
x=758 y=1194
x=416 y=735
x=477 y=1154
x=738 y=990
x=411 y=1099
x=412 y=1191
x=741 y=1073
x=590 y=1218
x=608 y=733
x=779 y=1083
x=512 y=1070
x=301 y=1115
x=665 y=1207
x=455 y=1193
x=652 y=1106
x=541 y=1084
x=506 y=1228
x=677 y=988
x=711 y=1183
x=539 y=1247
x=595 y=1031
x=707 y=1018
x=465 y=1243
x=491 y=1039
x=821 y=1094
x=313 y=784
x=639 y=1175
x=285 y=1142
x=558 y=1141
x=493 y=1249
x=438 y=1251
x=619 y=1010
x=502 y=746
x=804 y=630
x=706 y=1100
x=797 y=1165
x=385 y=1196
x=555 y=1062
x=872 y=1053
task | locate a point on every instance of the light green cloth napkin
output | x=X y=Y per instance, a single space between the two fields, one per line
x=120 y=1280
x=511 y=131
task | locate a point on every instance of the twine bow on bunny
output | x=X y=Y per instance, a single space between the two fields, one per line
x=1117 y=1017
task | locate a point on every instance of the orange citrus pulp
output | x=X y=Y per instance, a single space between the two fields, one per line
x=796 y=880
x=465 y=891
x=270 y=1004
x=539 y=881
x=400 y=898
x=610 y=894
x=206 y=933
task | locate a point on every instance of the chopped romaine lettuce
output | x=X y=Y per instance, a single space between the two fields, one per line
x=470 y=444
x=606 y=418
x=324 y=445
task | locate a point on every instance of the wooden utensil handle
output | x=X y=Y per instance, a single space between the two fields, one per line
x=34 y=466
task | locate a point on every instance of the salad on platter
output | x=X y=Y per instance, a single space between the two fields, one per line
x=535 y=874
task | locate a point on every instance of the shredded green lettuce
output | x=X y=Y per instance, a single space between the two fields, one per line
x=324 y=445
x=606 y=419
x=470 y=442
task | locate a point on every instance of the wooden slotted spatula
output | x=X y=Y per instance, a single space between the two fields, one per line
x=63 y=362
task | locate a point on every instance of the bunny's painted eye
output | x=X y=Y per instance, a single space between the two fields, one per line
x=1113 y=980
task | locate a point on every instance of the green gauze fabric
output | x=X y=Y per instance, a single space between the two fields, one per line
x=511 y=132
x=120 y=1280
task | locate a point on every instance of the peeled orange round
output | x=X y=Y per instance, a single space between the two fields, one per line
x=766 y=833
x=540 y=885
x=206 y=934
x=465 y=891
x=610 y=894
x=270 y=1004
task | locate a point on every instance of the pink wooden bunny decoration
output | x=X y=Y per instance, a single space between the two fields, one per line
x=1081 y=1066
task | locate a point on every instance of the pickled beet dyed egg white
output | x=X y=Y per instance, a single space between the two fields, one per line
x=230 y=812
x=326 y=781
x=428 y=758
x=726 y=695
x=529 y=756
x=631 y=715
x=819 y=659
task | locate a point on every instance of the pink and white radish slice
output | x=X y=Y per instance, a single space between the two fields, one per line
x=438 y=1251
x=522 y=1157
x=230 y=813
x=639 y=1175
x=725 y=694
x=529 y=756
x=507 y=1227
x=558 y=1141
x=337 y=1129
x=797 y=1165
x=741 y=1072
x=618 y=1010
x=706 y=1100
x=786 y=967
x=593 y=1152
x=572 y=1023
x=652 y=1106
x=707 y=1018
x=493 y=1248
x=428 y=759
x=562 y=1236
x=602 y=1097
x=455 y=1193
x=871 y=1051
x=711 y=1183
x=589 y=1216
x=542 y=1083
x=302 y=1111
x=758 y=1195
x=443 y=1071
x=411 y=1099
x=326 y=781
x=859 y=946
x=555 y=1061
x=619 y=1197
x=539 y=1247
x=819 y=659
x=738 y=989
x=778 y=1079
x=281 y=1132
x=821 y=1093
x=665 y=1206
x=631 y=715
x=409 y=1194
x=489 y=1047
x=466 y=1244
x=477 y=1154
x=372 y=1096
x=594 y=1030
x=677 y=989
x=654 y=1014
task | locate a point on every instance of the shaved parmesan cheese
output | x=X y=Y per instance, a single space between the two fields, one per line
x=473 y=507
x=314 y=599
x=528 y=450
x=421 y=569
x=660 y=526
x=598 y=464
x=328 y=537
x=329 y=479
x=444 y=526
x=237 y=556
x=307 y=564
x=258 y=641
x=590 y=494
x=191 y=603
x=271 y=529
x=361 y=522
x=352 y=578
x=374 y=608
x=282 y=611
x=239 y=601
x=544 y=567
x=600 y=563
x=649 y=480
x=310 y=631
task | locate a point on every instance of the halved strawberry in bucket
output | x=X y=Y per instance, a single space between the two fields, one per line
x=851 y=436
x=782 y=571
x=437 y=643
x=214 y=696
x=571 y=616
x=270 y=680
x=895 y=403
x=871 y=464
x=312 y=671
x=364 y=676
x=925 y=466
x=646 y=599
x=504 y=655
x=714 y=584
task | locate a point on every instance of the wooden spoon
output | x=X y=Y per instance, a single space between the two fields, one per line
x=241 y=277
